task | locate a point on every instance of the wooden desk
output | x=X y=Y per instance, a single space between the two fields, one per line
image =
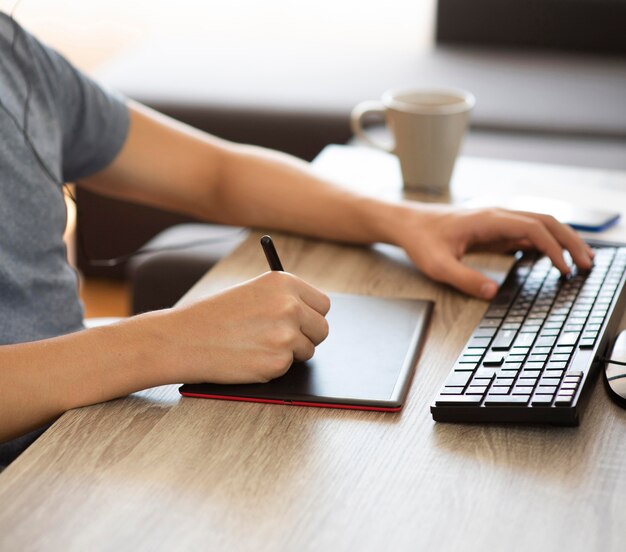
x=157 y=472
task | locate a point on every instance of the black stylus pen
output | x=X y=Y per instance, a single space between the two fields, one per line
x=270 y=254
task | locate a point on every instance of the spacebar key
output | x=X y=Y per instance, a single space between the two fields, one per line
x=506 y=400
x=458 y=400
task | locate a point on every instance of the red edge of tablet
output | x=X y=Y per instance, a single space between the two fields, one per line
x=294 y=403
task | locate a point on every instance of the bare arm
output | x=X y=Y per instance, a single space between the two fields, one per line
x=248 y=333
x=168 y=164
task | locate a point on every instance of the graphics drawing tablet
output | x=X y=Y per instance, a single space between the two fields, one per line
x=366 y=362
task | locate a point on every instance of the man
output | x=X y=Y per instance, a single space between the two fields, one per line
x=56 y=125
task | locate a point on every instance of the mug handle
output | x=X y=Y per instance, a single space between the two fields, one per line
x=361 y=111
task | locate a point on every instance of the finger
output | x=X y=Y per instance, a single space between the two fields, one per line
x=313 y=325
x=525 y=227
x=303 y=349
x=450 y=270
x=502 y=246
x=581 y=253
x=313 y=297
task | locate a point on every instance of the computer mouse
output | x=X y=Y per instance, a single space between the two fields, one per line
x=615 y=372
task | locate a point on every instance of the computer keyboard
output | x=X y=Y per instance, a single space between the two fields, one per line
x=532 y=357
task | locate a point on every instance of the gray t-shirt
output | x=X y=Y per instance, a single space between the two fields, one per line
x=77 y=129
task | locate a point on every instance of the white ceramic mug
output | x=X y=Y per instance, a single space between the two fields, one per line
x=427 y=126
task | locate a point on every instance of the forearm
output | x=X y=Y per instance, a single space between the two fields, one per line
x=263 y=188
x=170 y=165
x=41 y=380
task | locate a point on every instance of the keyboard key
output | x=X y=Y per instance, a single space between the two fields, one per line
x=450 y=400
x=458 y=379
x=554 y=372
x=490 y=323
x=485 y=332
x=563 y=400
x=549 y=381
x=485 y=373
x=546 y=341
x=499 y=391
x=576 y=321
x=478 y=343
x=495 y=313
x=465 y=367
x=470 y=359
x=564 y=349
x=567 y=338
x=452 y=390
x=541 y=400
x=523 y=340
x=503 y=340
x=506 y=400
x=493 y=359
x=476 y=390
x=509 y=371
x=529 y=374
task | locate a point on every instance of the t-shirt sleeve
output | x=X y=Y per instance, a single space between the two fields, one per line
x=94 y=121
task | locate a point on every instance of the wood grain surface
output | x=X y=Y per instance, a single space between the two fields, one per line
x=157 y=472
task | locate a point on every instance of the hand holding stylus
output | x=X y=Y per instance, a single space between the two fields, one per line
x=252 y=332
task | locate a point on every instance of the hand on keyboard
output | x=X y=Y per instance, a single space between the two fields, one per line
x=440 y=236
x=531 y=356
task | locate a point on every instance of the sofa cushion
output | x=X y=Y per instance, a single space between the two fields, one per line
x=181 y=256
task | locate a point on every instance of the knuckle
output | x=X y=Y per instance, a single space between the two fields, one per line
x=290 y=306
x=278 y=365
x=549 y=219
x=534 y=225
x=285 y=336
x=325 y=329
x=492 y=212
x=326 y=303
x=262 y=378
x=309 y=351
x=278 y=277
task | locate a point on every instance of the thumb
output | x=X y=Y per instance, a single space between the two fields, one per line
x=452 y=271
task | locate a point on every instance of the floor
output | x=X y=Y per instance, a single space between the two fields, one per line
x=103 y=298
